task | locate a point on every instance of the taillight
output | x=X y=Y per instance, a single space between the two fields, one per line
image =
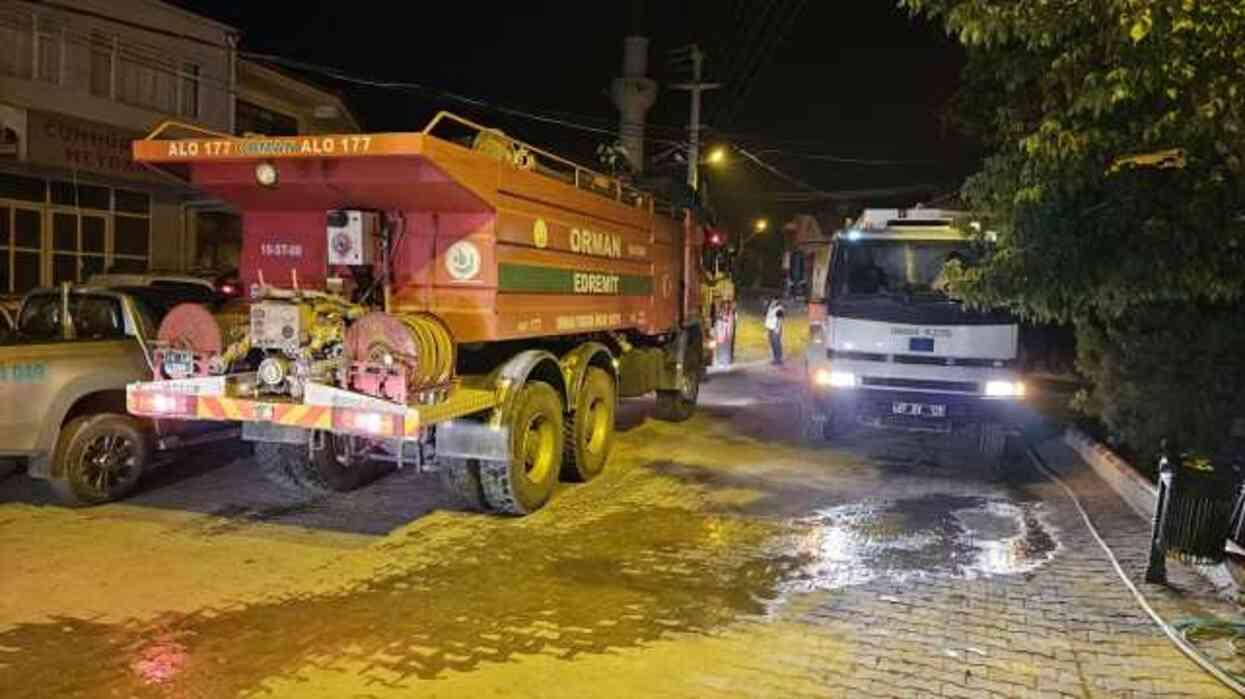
x=372 y=423
x=157 y=404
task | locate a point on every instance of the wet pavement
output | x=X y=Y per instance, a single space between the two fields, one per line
x=717 y=558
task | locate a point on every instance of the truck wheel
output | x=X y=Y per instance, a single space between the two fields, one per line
x=678 y=406
x=335 y=467
x=280 y=464
x=461 y=479
x=523 y=483
x=816 y=425
x=590 y=432
x=102 y=458
x=992 y=443
x=724 y=352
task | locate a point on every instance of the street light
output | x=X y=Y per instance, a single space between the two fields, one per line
x=717 y=156
x=759 y=226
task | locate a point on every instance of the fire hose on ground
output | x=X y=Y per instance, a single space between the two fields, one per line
x=1176 y=633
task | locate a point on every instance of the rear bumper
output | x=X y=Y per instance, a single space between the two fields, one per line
x=323 y=408
x=875 y=408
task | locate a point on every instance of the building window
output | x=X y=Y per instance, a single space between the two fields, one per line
x=189 y=91
x=49 y=51
x=133 y=202
x=16 y=33
x=23 y=255
x=103 y=65
x=146 y=79
x=23 y=188
x=252 y=118
x=78 y=245
x=81 y=196
x=131 y=239
x=52 y=232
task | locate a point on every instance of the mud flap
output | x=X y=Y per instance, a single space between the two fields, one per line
x=277 y=434
x=468 y=439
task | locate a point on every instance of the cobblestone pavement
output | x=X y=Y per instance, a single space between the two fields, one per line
x=717 y=558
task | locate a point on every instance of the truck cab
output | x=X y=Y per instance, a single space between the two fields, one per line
x=889 y=349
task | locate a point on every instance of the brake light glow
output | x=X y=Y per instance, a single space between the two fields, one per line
x=367 y=422
x=162 y=404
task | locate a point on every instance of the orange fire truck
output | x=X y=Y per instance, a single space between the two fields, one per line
x=451 y=299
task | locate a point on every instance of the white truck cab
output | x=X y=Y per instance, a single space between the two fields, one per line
x=889 y=349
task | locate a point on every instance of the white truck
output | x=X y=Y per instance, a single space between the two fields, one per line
x=889 y=349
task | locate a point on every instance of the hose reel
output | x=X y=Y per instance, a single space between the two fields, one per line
x=419 y=343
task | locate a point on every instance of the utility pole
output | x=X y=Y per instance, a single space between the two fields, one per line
x=696 y=87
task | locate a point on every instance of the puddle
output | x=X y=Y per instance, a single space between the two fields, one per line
x=932 y=536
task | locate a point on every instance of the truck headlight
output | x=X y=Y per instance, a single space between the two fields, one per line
x=834 y=379
x=1005 y=389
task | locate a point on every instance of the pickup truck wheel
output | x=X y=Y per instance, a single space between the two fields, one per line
x=102 y=459
x=461 y=480
x=523 y=483
x=590 y=431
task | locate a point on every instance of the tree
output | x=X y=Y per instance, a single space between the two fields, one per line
x=1063 y=90
x=1138 y=252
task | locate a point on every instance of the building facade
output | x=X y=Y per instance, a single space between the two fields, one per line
x=81 y=79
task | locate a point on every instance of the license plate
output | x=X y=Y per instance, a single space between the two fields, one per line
x=919 y=409
x=179 y=363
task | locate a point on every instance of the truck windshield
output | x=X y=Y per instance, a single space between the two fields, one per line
x=874 y=268
x=94 y=317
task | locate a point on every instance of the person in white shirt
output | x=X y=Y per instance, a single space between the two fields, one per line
x=774 y=313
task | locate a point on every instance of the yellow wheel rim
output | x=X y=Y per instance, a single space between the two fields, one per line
x=538 y=448
x=598 y=420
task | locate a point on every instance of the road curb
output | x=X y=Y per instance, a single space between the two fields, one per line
x=1142 y=496
x=1134 y=488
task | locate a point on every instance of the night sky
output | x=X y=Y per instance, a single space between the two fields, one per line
x=858 y=79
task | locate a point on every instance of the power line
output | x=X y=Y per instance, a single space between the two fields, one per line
x=785 y=14
x=476 y=102
x=845 y=160
x=753 y=17
x=776 y=172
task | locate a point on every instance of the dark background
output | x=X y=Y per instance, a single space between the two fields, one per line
x=850 y=79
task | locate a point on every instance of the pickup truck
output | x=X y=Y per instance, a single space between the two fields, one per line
x=63 y=373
